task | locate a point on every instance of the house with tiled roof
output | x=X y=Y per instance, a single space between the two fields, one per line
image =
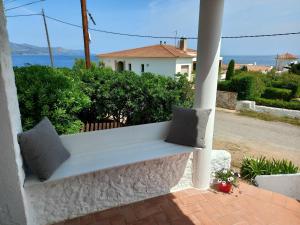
x=163 y=59
x=284 y=60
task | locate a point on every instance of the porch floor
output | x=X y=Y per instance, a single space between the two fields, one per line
x=247 y=205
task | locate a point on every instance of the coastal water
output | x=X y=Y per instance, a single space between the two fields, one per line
x=68 y=61
x=59 y=60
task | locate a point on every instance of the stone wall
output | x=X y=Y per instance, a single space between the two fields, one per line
x=226 y=100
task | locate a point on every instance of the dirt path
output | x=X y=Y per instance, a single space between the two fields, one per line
x=245 y=136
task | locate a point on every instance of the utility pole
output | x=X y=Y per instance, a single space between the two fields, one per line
x=85 y=30
x=48 y=39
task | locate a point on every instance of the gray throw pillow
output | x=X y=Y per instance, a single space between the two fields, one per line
x=42 y=149
x=188 y=127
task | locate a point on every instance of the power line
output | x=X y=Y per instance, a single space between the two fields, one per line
x=161 y=37
x=24 y=15
x=30 y=3
x=8 y=2
x=263 y=35
x=170 y=37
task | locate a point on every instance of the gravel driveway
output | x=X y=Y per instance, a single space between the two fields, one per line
x=243 y=135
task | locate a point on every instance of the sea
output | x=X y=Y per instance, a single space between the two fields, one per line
x=68 y=60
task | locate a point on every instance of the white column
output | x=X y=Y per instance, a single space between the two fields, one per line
x=12 y=204
x=208 y=52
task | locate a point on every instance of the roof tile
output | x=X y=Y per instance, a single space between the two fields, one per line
x=154 y=51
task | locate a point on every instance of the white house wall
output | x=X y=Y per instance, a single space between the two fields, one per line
x=184 y=61
x=162 y=66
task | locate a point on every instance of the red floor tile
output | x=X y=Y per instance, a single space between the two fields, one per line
x=247 y=205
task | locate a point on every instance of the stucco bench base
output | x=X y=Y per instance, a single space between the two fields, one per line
x=110 y=168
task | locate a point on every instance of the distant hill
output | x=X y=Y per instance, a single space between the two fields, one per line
x=27 y=49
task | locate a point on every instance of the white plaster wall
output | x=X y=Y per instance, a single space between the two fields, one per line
x=76 y=196
x=184 y=61
x=286 y=184
x=12 y=209
x=278 y=111
x=162 y=66
x=250 y=105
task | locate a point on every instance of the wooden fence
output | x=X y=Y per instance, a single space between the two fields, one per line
x=100 y=126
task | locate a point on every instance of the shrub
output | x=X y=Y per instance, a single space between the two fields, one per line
x=80 y=64
x=132 y=98
x=295 y=68
x=44 y=91
x=230 y=70
x=288 y=81
x=160 y=95
x=244 y=69
x=278 y=103
x=252 y=167
x=248 y=86
x=225 y=86
x=277 y=93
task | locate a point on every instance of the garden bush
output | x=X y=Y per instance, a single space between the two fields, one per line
x=252 y=167
x=132 y=98
x=277 y=93
x=295 y=68
x=288 y=81
x=278 y=103
x=225 y=85
x=248 y=86
x=44 y=91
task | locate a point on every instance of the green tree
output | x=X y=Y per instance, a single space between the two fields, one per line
x=295 y=68
x=244 y=69
x=230 y=70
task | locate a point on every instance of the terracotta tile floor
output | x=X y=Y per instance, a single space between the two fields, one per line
x=247 y=205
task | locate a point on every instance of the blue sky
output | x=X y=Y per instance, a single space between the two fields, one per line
x=159 y=17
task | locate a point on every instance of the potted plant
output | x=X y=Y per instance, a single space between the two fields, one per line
x=226 y=179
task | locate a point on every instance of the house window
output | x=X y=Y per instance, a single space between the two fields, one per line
x=142 y=68
x=129 y=66
x=184 y=69
x=194 y=66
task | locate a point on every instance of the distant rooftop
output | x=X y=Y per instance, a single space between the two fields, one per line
x=153 y=51
x=250 y=67
x=286 y=56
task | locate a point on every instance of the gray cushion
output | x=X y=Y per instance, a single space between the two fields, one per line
x=188 y=127
x=42 y=149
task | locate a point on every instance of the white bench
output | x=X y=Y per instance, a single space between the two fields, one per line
x=107 y=149
x=109 y=168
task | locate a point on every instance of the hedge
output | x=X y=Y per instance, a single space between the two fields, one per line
x=70 y=97
x=225 y=85
x=132 y=98
x=44 y=91
x=278 y=103
x=248 y=86
x=288 y=81
x=277 y=93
